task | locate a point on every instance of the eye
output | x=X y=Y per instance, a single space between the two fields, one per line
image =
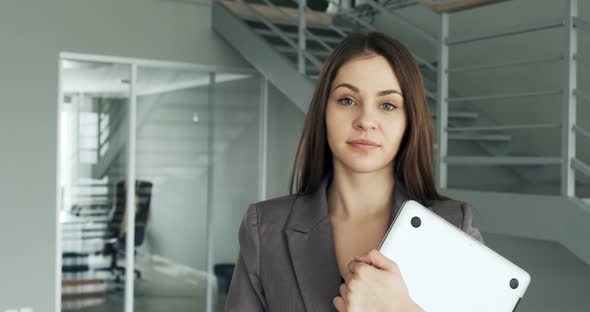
x=388 y=106
x=346 y=101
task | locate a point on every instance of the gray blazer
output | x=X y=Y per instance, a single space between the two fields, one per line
x=287 y=259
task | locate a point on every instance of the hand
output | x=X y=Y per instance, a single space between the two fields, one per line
x=374 y=284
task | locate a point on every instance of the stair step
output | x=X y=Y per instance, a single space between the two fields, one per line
x=294 y=36
x=284 y=15
x=85 y=182
x=503 y=160
x=89 y=195
x=318 y=53
x=82 y=282
x=504 y=127
x=461 y=115
x=92 y=207
x=480 y=137
x=293 y=26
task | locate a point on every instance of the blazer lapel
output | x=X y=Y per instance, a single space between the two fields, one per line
x=311 y=247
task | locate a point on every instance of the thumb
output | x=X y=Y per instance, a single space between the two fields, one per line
x=378 y=260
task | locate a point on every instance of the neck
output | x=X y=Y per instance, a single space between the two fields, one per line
x=359 y=196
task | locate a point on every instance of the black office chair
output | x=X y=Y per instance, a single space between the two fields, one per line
x=115 y=244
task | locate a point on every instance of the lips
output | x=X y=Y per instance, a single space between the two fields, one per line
x=363 y=143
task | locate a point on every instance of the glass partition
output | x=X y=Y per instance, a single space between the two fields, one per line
x=93 y=126
x=196 y=158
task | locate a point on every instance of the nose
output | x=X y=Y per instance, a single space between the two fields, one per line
x=365 y=120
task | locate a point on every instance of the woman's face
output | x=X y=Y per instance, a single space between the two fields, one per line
x=365 y=116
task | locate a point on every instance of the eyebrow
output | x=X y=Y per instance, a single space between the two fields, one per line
x=355 y=89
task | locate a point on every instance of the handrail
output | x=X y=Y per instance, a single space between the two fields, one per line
x=295 y=36
x=307 y=31
x=115 y=127
x=505 y=127
x=353 y=16
x=98 y=122
x=508 y=64
x=331 y=25
x=430 y=94
x=581 y=167
x=302 y=39
x=402 y=4
x=580 y=94
x=109 y=108
x=372 y=28
x=116 y=115
x=422 y=61
x=320 y=53
x=582 y=131
x=521 y=29
x=377 y=6
x=504 y=96
x=498 y=161
x=582 y=24
x=279 y=32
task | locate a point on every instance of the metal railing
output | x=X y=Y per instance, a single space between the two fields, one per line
x=569 y=92
x=303 y=54
x=570 y=23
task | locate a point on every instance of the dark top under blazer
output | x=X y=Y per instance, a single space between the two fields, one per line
x=287 y=259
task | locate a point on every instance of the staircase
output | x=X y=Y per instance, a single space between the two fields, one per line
x=268 y=37
x=249 y=26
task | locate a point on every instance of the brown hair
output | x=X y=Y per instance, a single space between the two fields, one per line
x=413 y=162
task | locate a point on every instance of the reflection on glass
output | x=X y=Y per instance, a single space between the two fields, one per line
x=93 y=122
x=192 y=133
x=197 y=170
x=236 y=181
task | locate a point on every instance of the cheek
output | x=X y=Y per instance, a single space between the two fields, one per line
x=395 y=130
x=336 y=123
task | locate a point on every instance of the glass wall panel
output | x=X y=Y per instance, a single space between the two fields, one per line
x=94 y=131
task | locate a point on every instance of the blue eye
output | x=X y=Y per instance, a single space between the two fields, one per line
x=346 y=101
x=388 y=106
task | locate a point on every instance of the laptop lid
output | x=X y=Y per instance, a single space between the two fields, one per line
x=446 y=270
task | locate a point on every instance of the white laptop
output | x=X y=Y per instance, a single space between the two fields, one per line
x=446 y=269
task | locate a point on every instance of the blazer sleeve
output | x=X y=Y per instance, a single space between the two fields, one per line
x=245 y=292
x=467 y=225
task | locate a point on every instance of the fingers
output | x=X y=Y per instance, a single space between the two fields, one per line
x=339 y=304
x=358 y=268
x=343 y=291
x=350 y=265
x=381 y=262
x=363 y=258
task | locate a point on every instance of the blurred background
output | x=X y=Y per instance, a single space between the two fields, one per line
x=200 y=104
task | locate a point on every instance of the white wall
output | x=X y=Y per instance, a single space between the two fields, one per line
x=32 y=33
x=284 y=130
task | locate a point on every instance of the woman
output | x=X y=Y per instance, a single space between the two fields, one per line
x=366 y=148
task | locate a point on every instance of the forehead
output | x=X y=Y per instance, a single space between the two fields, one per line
x=368 y=73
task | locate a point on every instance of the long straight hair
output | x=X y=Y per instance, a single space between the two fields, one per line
x=413 y=161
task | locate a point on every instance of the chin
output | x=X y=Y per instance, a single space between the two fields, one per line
x=364 y=165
